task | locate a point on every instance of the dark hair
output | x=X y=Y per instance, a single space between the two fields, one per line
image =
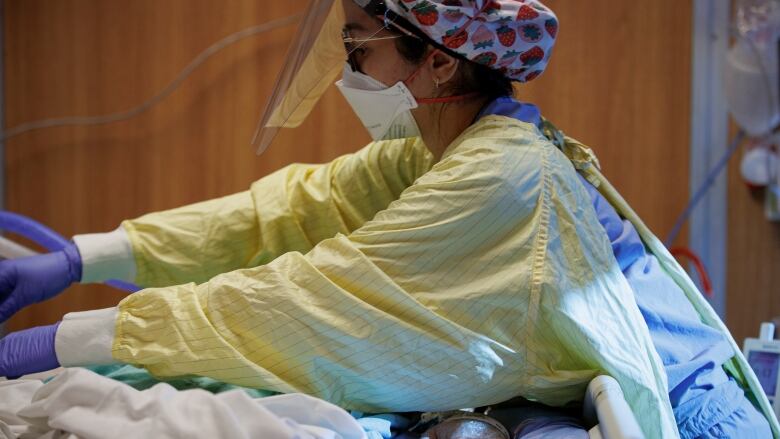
x=472 y=77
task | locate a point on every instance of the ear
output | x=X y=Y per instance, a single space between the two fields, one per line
x=442 y=67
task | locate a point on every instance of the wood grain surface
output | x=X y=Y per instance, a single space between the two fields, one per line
x=619 y=81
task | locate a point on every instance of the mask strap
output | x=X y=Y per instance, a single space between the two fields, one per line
x=447 y=99
x=417 y=71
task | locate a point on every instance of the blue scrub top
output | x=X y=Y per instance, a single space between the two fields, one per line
x=706 y=401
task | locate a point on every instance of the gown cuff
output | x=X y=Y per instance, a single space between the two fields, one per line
x=86 y=338
x=106 y=256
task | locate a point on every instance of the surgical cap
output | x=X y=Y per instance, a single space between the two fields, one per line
x=515 y=37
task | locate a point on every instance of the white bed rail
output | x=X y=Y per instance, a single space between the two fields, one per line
x=605 y=404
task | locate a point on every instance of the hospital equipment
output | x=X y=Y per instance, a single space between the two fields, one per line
x=705 y=186
x=758 y=166
x=751 y=77
x=763 y=355
x=605 y=403
x=752 y=86
x=751 y=70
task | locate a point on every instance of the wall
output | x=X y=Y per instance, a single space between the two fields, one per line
x=754 y=260
x=619 y=81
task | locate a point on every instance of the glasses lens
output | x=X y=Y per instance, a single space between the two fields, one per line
x=349 y=47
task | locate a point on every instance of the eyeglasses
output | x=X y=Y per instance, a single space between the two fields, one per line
x=354 y=45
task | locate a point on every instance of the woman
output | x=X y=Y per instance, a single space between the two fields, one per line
x=463 y=265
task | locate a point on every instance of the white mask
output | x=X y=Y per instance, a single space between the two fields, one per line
x=385 y=111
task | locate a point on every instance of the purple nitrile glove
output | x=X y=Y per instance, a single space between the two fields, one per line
x=28 y=351
x=33 y=279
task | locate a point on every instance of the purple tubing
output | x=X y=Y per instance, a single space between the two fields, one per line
x=46 y=238
x=32 y=230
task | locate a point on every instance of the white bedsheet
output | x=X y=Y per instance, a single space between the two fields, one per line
x=81 y=404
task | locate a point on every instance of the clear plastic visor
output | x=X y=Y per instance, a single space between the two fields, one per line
x=315 y=60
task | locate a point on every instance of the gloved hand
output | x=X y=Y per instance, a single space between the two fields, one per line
x=34 y=279
x=28 y=351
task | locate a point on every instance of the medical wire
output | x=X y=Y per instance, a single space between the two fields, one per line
x=165 y=92
x=704 y=187
x=704 y=277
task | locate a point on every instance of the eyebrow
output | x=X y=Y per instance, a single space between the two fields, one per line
x=354 y=26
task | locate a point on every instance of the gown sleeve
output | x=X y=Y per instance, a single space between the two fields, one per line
x=289 y=210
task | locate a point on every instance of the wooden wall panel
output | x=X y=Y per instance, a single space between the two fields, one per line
x=82 y=57
x=619 y=81
x=754 y=260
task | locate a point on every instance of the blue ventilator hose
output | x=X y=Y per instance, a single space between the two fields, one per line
x=706 y=185
x=48 y=239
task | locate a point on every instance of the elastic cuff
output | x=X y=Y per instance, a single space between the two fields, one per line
x=85 y=338
x=106 y=256
x=75 y=266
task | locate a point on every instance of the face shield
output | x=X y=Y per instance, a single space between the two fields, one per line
x=316 y=58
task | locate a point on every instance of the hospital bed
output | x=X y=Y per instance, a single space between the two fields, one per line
x=603 y=405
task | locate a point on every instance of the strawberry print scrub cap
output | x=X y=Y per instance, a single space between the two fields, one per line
x=514 y=37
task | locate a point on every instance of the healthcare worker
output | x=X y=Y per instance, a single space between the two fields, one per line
x=459 y=260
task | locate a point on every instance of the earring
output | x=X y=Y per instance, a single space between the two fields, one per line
x=436 y=83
